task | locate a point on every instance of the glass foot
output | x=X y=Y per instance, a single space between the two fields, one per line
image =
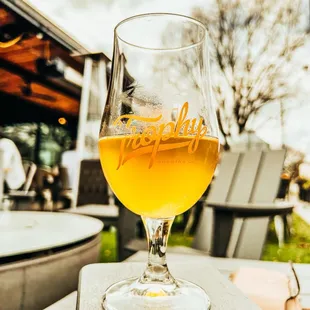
x=130 y=294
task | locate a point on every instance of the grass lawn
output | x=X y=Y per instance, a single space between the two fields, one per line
x=297 y=249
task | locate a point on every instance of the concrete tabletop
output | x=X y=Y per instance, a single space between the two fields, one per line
x=96 y=278
x=226 y=266
x=28 y=232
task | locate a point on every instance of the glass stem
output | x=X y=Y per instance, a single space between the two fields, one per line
x=157 y=231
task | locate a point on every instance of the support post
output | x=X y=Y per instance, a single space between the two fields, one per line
x=82 y=124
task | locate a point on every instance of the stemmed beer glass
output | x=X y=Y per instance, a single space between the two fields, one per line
x=158 y=144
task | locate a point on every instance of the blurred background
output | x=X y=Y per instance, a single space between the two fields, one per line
x=55 y=67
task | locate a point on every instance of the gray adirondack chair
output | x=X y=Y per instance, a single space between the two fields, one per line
x=234 y=221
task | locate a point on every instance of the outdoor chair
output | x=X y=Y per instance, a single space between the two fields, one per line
x=94 y=196
x=96 y=199
x=24 y=196
x=235 y=218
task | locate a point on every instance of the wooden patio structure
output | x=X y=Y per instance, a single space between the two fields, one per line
x=34 y=57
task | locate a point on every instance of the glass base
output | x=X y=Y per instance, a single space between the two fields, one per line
x=131 y=294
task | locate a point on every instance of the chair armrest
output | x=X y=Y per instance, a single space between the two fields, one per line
x=253 y=209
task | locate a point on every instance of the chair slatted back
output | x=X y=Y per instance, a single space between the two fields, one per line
x=93 y=187
x=244 y=177
x=269 y=177
x=265 y=190
x=252 y=176
x=222 y=183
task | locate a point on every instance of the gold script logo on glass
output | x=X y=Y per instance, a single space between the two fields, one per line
x=150 y=140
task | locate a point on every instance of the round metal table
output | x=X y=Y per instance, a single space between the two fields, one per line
x=23 y=232
x=41 y=255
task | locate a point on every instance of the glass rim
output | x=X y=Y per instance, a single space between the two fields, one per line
x=138 y=16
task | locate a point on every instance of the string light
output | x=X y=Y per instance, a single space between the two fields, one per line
x=62 y=121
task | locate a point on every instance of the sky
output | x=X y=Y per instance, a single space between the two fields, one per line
x=92 y=22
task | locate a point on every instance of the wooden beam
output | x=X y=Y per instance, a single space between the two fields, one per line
x=58 y=85
x=77 y=63
x=27 y=12
x=13 y=84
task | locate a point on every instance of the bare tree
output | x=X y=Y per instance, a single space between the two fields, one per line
x=253 y=47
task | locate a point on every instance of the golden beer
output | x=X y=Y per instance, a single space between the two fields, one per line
x=158 y=181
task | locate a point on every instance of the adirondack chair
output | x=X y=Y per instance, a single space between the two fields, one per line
x=234 y=221
x=94 y=196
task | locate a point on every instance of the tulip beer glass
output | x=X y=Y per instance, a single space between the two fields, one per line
x=158 y=144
